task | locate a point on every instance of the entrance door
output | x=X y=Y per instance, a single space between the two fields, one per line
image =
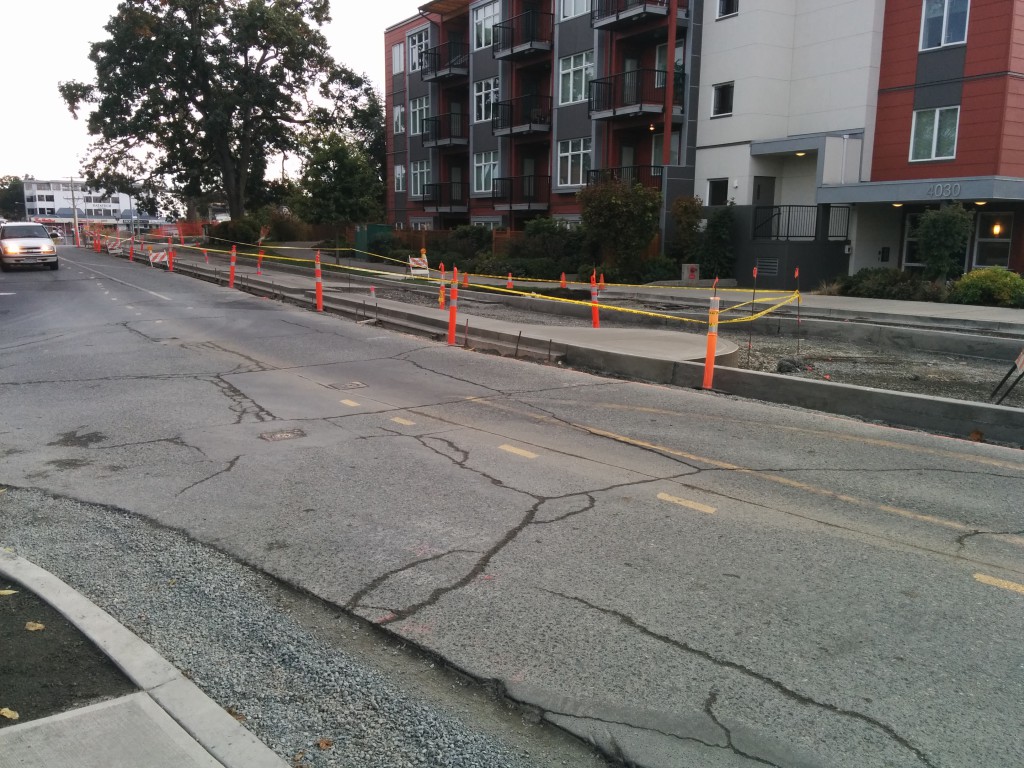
x=631 y=81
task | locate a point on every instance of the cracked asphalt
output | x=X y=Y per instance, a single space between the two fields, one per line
x=681 y=578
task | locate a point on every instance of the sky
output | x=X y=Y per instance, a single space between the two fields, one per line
x=48 y=43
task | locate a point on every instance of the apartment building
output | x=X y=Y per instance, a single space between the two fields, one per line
x=63 y=202
x=831 y=125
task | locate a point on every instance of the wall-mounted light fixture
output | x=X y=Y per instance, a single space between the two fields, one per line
x=800 y=154
x=980 y=202
x=897 y=205
x=651 y=127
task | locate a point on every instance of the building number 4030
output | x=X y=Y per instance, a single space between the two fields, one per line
x=946 y=190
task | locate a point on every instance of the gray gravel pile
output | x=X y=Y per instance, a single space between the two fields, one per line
x=221 y=624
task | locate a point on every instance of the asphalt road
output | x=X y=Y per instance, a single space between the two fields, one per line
x=686 y=579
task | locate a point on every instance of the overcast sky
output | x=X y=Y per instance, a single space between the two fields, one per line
x=46 y=43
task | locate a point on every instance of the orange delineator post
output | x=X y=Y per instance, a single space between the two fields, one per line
x=508 y=283
x=595 y=314
x=709 y=359
x=465 y=279
x=563 y=284
x=440 y=297
x=453 y=312
x=170 y=260
x=319 y=285
x=231 y=269
x=206 y=256
x=131 y=250
x=259 y=262
x=440 y=268
x=601 y=286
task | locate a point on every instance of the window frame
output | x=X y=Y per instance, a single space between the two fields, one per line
x=727 y=8
x=725 y=184
x=484 y=18
x=584 y=160
x=486 y=93
x=398 y=119
x=943 y=43
x=935 y=134
x=398 y=58
x=419 y=111
x=480 y=165
x=400 y=177
x=419 y=177
x=980 y=239
x=716 y=90
x=418 y=43
x=583 y=70
x=579 y=7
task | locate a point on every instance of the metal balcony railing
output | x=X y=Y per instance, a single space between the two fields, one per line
x=447 y=130
x=446 y=196
x=527 y=193
x=526 y=114
x=633 y=92
x=644 y=175
x=606 y=13
x=447 y=60
x=799 y=222
x=523 y=34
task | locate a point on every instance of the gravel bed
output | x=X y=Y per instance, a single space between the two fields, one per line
x=229 y=629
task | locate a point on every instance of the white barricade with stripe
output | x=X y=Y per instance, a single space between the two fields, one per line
x=418 y=266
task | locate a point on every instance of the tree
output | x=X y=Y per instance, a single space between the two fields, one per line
x=715 y=251
x=202 y=92
x=12 y=190
x=621 y=218
x=339 y=183
x=942 y=235
x=687 y=214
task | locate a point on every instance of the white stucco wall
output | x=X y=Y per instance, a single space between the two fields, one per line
x=873 y=227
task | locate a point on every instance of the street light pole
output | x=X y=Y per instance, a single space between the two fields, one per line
x=74 y=213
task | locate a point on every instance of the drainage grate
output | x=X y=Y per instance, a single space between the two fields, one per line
x=285 y=434
x=349 y=385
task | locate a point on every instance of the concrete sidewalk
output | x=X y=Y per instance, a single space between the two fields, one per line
x=168 y=723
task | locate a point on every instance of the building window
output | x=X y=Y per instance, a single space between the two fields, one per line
x=485 y=170
x=943 y=22
x=419 y=177
x=399 y=178
x=576 y=71
x=419 y=111
x=718 y=191
x=484 y=18
x=573 y=161
x=491 y=224
x=418 y=42
x=485 y=94
x=399 y=122
x=992 y=245
x=571 y=8
x=722 y=104
x=397 y=58
x=728 y=7
x=934 y=134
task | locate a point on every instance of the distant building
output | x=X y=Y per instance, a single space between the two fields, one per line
x=54 y=201
x=831 y=124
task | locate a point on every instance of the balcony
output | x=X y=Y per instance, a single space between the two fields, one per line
x=445 y=61
x=637 y=92
x=616 y=14
x=522 y=193
x=645 y=175
x=523 y=35
x=446 y=197
x=524 y=115
x=450 y=130
x=801 y=222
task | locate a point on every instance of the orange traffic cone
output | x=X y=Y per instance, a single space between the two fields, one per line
x=508 y=284
x=563 y=284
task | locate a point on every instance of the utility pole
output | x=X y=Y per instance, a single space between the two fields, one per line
x=74 y=213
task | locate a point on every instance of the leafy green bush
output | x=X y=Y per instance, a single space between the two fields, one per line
x=888 y=283
x=285 y=228
x=993 y=286
x=549 y=240
x=244 y=231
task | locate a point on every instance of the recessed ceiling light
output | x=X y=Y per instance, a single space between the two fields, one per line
x=800 y=154
x=897 y=205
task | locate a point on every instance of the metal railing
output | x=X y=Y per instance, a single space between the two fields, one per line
x=444 y=59
x=446 y=194
x=799 y=222
x=526 y=112
x=636 y=89
x=451 y=128
x=526 y=191
x=602 y=10
x=644 y=175
x=533 y=30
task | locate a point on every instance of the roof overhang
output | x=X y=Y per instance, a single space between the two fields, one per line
x=446 y=8
x=788 y=146
x=924 y=190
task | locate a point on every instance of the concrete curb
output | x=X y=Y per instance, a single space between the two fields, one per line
x=202 y=718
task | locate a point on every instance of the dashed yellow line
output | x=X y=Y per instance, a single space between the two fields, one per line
x=695 y=505
x=1001 y=583
x=403 y=422
x=350 y=403
x=518 y=451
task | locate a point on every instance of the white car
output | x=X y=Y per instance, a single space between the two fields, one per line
x=25 y=243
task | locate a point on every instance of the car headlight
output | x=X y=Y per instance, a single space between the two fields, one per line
x=12 y=250
x=49 y=249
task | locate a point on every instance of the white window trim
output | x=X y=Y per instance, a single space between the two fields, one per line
x=416 y=50
x=980 y=237
x=398 y=119
x=419 y=111
x=581 y=69
x=484 y=19
x=730 y=14
x=398 y=58
x=481 y=104
x=714 y=94
x=573 y=8
x=935 y=134
x=400 y=178
x=942 y=35
x=419 y=176
x=479 y=165
x=582 y=153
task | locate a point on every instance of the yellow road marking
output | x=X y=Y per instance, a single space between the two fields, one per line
x=687 y=503
x=403 y=422
x=518 y=451
x=1001 y=583
x=351 y=403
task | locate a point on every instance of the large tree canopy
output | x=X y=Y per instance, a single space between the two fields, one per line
x=202 y=92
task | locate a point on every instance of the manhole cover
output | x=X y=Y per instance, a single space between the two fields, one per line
x=349 y=385
x=285 y=434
